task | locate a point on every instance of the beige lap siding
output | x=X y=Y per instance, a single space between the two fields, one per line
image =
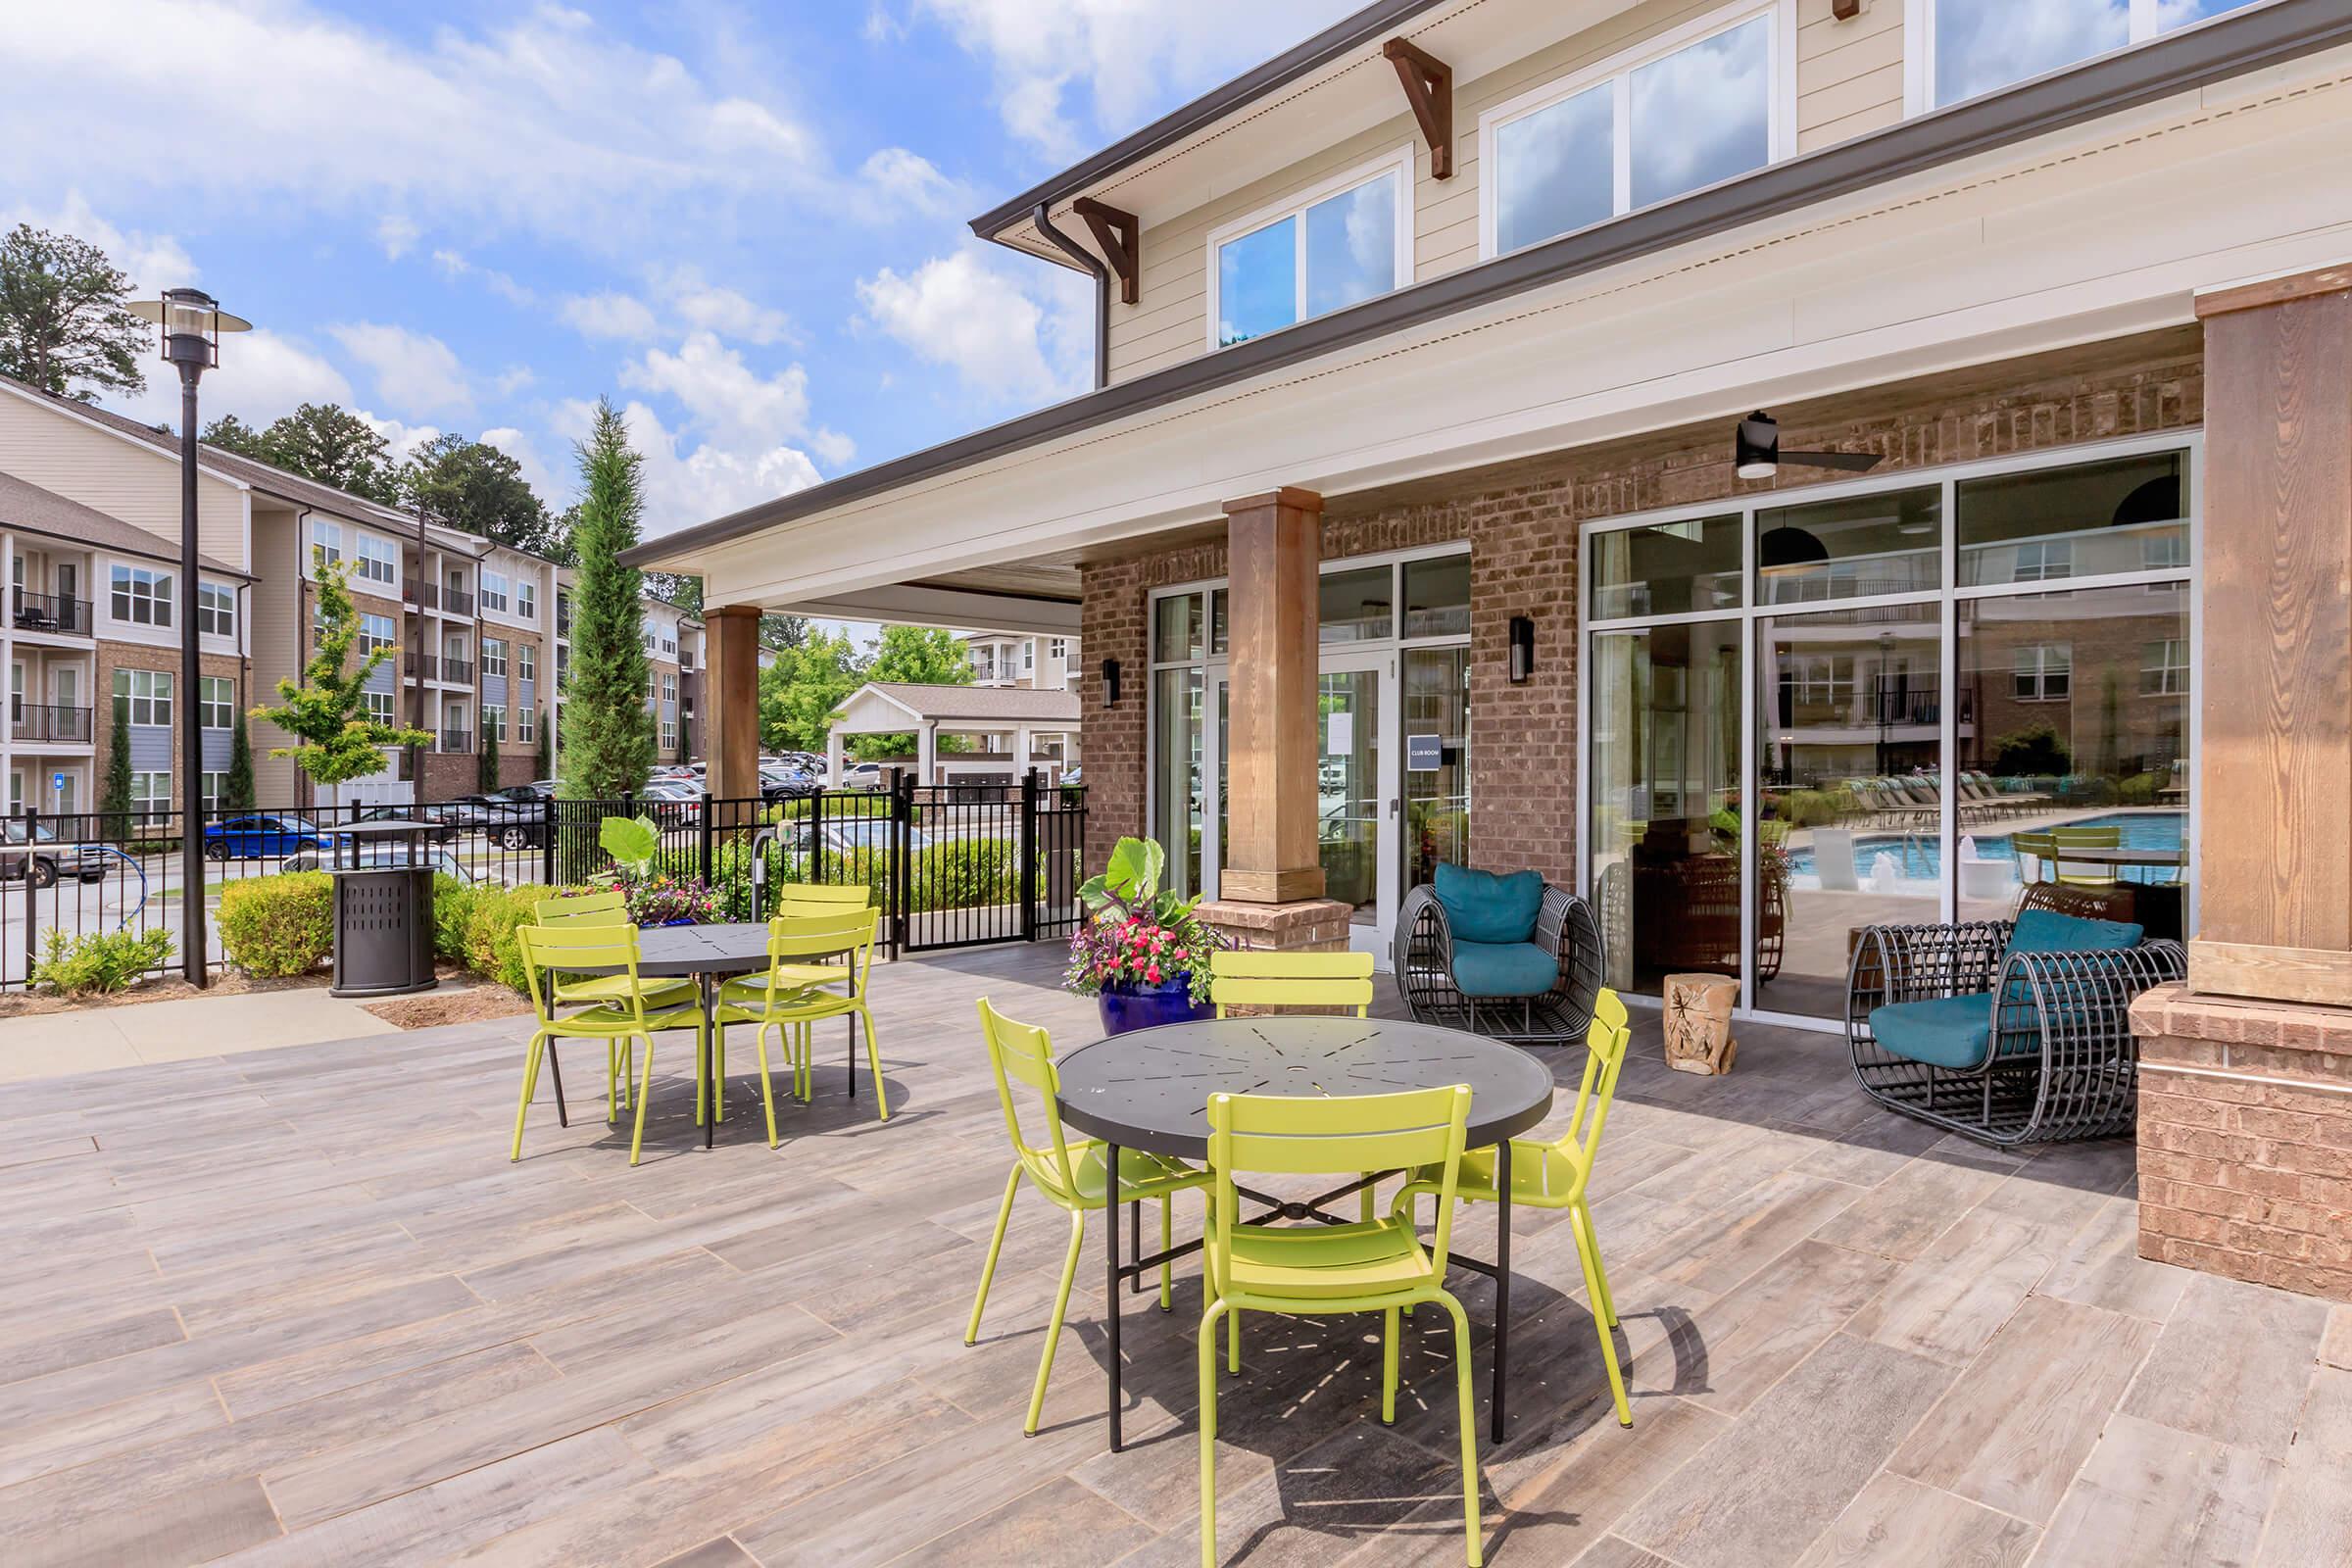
x=1521 y=519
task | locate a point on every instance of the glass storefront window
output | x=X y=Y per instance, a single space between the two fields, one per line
x=1347 y=789
x=1216 y=621
x=2082 y=521
x=1358 y=606
x=1436 y=800
x=1669 y=569
x=1437 y=596
x=1176 y=628
x=1176 y=743
x=1664 y=782
x=1853 y=548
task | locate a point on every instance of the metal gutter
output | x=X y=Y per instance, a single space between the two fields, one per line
x=2183 y=61
x=1369 y=26
x=1101 y=272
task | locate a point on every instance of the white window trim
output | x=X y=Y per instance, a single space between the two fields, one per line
x=1919 y=50
x=1620 y=67
x=1399 y=165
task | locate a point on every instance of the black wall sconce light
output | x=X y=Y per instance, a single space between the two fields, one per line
x=1110 y=683
x=1523 y=649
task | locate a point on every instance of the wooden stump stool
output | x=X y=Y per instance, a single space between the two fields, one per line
x=1698 y=1024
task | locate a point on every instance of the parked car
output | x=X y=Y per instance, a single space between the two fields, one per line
x=49 y=859
x=862 y=776
x=784 y=784
x=515 y=817
x=370 y=856
x=262 y=834
x=673 y=803
x=1075 y=779
x=859 y=833
x=438 y=833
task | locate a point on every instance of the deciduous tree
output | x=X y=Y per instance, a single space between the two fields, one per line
x=326 y=713
x=475 y=486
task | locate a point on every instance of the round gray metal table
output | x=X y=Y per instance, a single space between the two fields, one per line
x=1149 y=1089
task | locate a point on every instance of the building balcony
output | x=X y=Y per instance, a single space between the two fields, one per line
x=65 y=725
x=432 y=596
x=456 y=671
x=455 y=740
x=67 y=617
x=428 y=666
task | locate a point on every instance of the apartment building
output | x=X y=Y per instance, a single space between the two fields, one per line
x=90 y=530
x=1026 y=662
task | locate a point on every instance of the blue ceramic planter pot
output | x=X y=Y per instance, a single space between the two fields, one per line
x=1148 y=1006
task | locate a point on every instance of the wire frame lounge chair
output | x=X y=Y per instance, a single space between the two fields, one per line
x=1993 y=1030
x=1422 y=955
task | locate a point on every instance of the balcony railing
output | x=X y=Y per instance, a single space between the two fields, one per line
x=50 y=613
x=457 y=740
x=39 y=722
x=432 y=596
x=458 y=671
x=563 y=620
x=425 y=665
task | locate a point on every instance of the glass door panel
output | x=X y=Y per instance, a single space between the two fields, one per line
x=1665 y=775
x=1352 y=798
x=1437 y=762
x=1850 y=780
x=1176 y=750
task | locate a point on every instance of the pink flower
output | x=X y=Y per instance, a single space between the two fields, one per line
x=1153 y=974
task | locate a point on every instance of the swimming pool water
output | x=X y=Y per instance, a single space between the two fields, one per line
x=1922 y=855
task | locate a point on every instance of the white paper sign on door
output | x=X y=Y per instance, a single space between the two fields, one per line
x=1338 y=734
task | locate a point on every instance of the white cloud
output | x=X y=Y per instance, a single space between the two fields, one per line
x=1128 y=58
x=686 y=487
x=396 y=233
x=708 y=307
x=152 y=262
x=1006 y=334
x=609 y=315
x=261 y=376
x=726 y=396
x=455 y=264
x=512 y=379
x=901 y=183
x=536 y=472
x=837 y=451
x=413 y=371
x=880 y=26
x=404 y=439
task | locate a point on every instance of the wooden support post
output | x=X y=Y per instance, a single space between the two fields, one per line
x=1429 y=90
x=1273 y=543
x=731 y=702
x=2275 y=779
x=1119 y=235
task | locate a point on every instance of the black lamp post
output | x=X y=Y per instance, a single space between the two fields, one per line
x=192 y=322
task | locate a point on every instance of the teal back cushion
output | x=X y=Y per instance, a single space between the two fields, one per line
x=2048 y=931
x=1481 y=907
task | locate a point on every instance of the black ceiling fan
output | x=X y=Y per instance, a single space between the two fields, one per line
x=1756 y=451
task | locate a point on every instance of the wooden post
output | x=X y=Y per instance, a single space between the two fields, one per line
x=2274 y=895
x=731 y=702
x=1272 y=546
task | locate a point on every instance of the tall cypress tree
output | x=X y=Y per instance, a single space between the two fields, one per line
x=485 y=772
x=608 y=727
x=114 y=797
x=236 y=791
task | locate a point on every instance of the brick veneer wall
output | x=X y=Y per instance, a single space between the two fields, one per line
x=1521 y=520
x=114 y=655
x=2246 y=1139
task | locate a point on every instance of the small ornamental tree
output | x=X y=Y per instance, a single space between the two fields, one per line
x=540 y=764
x=486 y=776
x=608 y=727
x=328 y=712
x=113 y=799
x=236 y=791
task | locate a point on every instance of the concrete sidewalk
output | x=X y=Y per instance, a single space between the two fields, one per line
x=51 y=1045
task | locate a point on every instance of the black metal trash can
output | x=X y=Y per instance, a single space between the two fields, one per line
x=383 y=909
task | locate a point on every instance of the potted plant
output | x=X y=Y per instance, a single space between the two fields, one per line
x=654 y=898
x=1141 y=953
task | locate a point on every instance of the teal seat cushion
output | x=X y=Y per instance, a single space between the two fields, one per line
x=2048 y=931
x=1504 y=968
x=1954 y=1032
x=1481 y=907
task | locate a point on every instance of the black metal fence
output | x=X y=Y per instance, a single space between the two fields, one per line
x=950 y=865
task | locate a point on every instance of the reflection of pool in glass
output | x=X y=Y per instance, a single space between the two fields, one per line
x=1921 y=855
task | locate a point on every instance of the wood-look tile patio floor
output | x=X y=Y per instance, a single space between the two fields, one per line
x=296 y=1306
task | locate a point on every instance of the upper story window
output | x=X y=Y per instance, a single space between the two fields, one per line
x=494 y=656
x=1974 y=46
x=141 y=596
x=1057 y=649
x=1342 y=242
x=215 y=610
x=327 y=542
x=669 y=645
x=379 y=558
x=1696 y=105
x=494 y=591
x=216 y=696
x=526 y=599
x=376 y=631
x=143 y=697
x=526 y=662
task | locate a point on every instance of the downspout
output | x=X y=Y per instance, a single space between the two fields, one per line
x=1088 y=261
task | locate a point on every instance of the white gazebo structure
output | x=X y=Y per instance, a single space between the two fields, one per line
x=1010 y=723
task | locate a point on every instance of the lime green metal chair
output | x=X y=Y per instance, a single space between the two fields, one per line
x=550 y=951
x=786 y=999
x=1263 y=981
x=1376 y=1266
x=1069 y=1175
x=2086 y=838
x=1554 y=1175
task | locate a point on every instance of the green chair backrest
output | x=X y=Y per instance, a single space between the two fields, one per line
x=1346 y=1134
x=1605 y=1041
x=1291 y=980
x=2042 y=848
x=2088 y=838
x=608 y=907
x=571 y=947
x=845 y=933
x=1025 y=1052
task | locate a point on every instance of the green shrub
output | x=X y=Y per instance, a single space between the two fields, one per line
x=1818 y=808
x=278 y=925
x=490 y=946
x=100 y=963
x=964 y=874
x=453 y=916
x=2139 y=789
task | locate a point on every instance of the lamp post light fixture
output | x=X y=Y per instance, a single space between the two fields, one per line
x=192 y=323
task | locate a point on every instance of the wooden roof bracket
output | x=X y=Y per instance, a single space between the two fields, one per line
x=1120 y=235
x=1429 y=89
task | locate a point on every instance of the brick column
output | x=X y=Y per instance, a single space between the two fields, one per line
x=730 y=704
x=2246 y=1106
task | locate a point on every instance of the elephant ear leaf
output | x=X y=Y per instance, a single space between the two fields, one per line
x=631 y=841
x=1134 y=869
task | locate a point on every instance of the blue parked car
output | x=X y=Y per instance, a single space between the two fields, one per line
x=250 y=838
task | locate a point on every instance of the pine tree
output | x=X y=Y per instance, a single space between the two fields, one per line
x=65 y=325
x=236 y=791
x=608 y=727
x=114 y=800
x=486 y=776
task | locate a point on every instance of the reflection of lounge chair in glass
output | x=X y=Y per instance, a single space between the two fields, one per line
x=2010 y=800
x=1511 y=956
x=2008 y=1033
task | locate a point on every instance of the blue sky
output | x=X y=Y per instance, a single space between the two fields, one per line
x=744 y=222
